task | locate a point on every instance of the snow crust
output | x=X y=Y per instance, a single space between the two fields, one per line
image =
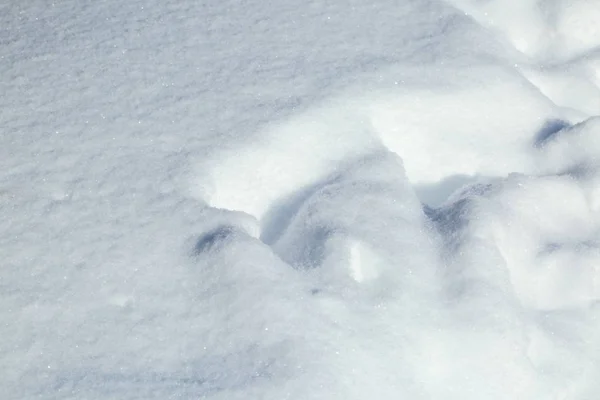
x=300 y=200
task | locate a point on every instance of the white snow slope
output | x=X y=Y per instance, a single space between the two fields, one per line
x=300 y=199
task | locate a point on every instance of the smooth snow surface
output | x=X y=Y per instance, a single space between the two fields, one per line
x=300 y=199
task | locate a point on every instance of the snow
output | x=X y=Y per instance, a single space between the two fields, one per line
x=300 y=200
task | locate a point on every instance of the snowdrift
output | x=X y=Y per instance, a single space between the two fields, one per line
x=300 y=200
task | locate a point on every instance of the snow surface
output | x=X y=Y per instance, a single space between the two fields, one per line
x=300 y=199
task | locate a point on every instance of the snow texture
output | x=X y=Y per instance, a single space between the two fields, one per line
x=300 y=199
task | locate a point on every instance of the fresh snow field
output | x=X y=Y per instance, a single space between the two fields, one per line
x=300 y=200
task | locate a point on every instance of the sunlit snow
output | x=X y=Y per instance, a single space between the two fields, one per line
x=300 y=199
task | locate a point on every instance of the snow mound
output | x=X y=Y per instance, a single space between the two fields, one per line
x=548 y=29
